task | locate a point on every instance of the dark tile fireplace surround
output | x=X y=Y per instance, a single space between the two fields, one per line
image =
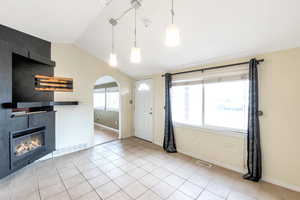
x=28 y=136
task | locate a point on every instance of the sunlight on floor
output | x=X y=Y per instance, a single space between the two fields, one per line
x=103 y=135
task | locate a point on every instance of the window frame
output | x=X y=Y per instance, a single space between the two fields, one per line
x=106 y=108
x=208 y=128
x=106 y=104
x=100 y=108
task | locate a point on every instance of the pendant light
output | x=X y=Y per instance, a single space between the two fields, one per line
x=172 y=32
x=135 y=56
x=113 y=62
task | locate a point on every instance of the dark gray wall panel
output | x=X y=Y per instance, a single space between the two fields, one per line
x=17 y=72
x=5 y=96
x=23 y=40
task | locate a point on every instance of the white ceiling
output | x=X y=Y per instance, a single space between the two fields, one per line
x=55 y=20
x=211 y=30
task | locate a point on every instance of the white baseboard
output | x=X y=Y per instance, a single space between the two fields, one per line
x=65 y=151
x=80 y=147
x=243 y=171
x=72 y=149
x=282 y=184
x=103 y=126
x=217 y=163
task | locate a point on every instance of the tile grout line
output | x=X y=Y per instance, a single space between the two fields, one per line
x=171 y=173
x=38 y=185
x=61 y=179
x=87 y=181
x=126 y=172
x=134 y=152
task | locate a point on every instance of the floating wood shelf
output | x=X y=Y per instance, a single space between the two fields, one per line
x=64 y=103
x=57 y=84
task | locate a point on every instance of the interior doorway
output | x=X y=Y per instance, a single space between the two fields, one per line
x=106 y=110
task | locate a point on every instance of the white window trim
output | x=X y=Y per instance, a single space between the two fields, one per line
x=99 y=108
x=112 y=109
x=208 y=128
x=211 y=129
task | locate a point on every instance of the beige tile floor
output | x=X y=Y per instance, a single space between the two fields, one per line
x=103 y=135
x=132 y=169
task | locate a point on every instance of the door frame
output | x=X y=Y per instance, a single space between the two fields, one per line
x=152 y=124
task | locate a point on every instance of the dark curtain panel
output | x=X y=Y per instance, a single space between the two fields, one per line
x=253 y=143
x=169 y=139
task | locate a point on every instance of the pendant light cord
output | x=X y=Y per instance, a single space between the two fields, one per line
x=172 y=12
x=135 y=27
x=112 y=39
x=124 y=13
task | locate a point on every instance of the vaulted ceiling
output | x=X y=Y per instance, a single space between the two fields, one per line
x=211 y=30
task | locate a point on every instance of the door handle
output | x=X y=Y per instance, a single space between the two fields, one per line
x=150 y=113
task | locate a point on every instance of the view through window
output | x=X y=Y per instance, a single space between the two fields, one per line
x=212 y=105
x=106 y=99
x=99 y=99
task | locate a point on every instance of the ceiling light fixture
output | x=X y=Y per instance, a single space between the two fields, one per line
x=113 y=61
x=135 y=56
x=172 y=32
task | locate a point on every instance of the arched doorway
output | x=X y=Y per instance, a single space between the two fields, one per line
x=107 y=110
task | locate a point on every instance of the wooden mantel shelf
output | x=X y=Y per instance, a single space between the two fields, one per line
x=37 y=104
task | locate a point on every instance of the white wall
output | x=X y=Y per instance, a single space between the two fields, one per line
x=279 y=100
x=74 y=124
x=280 y=134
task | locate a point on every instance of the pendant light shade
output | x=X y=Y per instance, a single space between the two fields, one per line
x=172 y=36
x=113 y=61
x=172 y=32
x=135 y=56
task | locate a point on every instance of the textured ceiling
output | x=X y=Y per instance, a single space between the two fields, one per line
x=211 y=30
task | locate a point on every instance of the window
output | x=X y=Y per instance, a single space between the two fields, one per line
x=112 y=99
x=99 y=99
x=212 y=104
x=106 y=99
x=187 y=104
x=226 y=104
x=143 y=87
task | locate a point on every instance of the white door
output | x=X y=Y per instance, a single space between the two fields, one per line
x=143 y=109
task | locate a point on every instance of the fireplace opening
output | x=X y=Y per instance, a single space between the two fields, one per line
x=25 y=145
x=28 y=144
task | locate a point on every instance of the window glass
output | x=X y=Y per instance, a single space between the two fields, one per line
x=143 y=87
x=218 y=104
x=99 y=100
x=187 y=104
x=112 y=100
x=226 y=104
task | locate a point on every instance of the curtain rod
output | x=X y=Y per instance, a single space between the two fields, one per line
x=216 y=67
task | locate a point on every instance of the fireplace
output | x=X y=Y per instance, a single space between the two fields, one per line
x=27 y=85
x=26 y=145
